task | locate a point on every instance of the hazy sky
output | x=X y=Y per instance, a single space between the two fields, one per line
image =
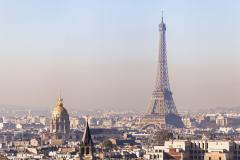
x=103 y=53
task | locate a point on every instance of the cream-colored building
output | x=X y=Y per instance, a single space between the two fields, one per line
x=187 y=122
x=217 y=156
x=197 y=150
x=74 y=122
x=221 y=121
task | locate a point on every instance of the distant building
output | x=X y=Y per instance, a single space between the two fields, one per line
x=3 y=157
x=212 y=117
x=187 y=122
x=108 y=123
x=44 y=120
x=34 y=142
x=7 y=126
x=100 y=134
x=74 y=123
x=60 y=125
x=221 y=121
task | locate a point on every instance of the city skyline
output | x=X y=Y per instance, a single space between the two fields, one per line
x=104 y=54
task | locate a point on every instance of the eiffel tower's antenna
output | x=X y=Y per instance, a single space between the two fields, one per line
x=162 y=15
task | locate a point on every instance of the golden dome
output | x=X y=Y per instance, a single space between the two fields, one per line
x=59 y=110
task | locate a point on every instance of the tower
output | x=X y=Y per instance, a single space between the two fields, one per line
x=86 y=145
x=60 y=124
x=161 y=110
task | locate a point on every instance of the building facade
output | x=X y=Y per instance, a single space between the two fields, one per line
x=196 y=150
x=60 y=124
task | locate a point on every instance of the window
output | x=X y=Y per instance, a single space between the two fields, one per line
x=82 y=151
x=87 y=150
x=60 y=136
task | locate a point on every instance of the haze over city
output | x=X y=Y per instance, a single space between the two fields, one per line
x=102 y=54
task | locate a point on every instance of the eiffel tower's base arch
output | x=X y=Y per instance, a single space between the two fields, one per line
x=161 y=121
x=156 y=121
x=151 y=126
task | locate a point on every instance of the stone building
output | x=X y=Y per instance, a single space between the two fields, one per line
x=196 y=150
x=86 y=146
x=217 y=156
x=60 y=124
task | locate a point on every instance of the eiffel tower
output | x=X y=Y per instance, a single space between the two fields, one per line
x=161 y=110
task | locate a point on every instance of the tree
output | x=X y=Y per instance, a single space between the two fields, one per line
x=161 y=136
x=107 y=145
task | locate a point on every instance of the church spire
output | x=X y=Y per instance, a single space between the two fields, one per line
x=87 y=139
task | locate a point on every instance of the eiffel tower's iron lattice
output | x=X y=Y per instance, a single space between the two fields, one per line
x=161 y=106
